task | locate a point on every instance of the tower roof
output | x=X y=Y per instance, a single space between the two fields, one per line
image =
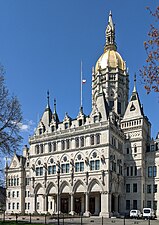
x=110 y=58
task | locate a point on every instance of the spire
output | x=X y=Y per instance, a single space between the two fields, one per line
x=55 y=116
x=134 y=90
x=110 y=34
x=48 y=101
x=54 y=105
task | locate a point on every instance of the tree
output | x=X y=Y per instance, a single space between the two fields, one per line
x=10 y=118
x=150 y=72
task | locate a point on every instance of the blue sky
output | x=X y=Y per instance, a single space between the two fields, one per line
x=42 y=43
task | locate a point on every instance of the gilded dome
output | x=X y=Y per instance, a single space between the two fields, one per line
x=110 y=58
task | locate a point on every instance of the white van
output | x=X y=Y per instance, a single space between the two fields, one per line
x=148 y=213
x=134 y=213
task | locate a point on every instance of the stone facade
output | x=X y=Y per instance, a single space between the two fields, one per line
x=101 y=164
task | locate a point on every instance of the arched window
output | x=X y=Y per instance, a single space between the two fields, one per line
x=41 y=148
x=37 y=149
x=79 y=164
x=97 y=139
x=82 y=141
x=50 y=147
x=63 y=145
x=92 y=139
x=77 y=142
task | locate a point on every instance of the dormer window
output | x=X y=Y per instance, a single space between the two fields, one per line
x=66 y=126
x=52 y=128
x=96 y=119
x=80 y=122
x=40 y=131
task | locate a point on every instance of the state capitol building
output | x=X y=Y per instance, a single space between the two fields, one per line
x=105 y=163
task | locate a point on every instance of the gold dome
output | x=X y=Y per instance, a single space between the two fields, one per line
x=110 y=58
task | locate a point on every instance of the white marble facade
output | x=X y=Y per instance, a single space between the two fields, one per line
x=96 y=164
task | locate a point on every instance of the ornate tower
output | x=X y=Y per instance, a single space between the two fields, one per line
x=110 y=75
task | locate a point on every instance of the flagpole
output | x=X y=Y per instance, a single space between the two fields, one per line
x=81 y=83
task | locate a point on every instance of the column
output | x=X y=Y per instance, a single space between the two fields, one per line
x=72 y=205
x=105 y=204
x=87 y=213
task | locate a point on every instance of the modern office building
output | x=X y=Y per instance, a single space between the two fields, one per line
x=102 y=164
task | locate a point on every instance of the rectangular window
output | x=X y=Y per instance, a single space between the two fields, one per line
x=77 y=167
x=135 y=171
x=13 y=205
x=50 y=147
x=17 y=194
x=37 y=171
x=131 y=171
x=9 y=205
x=65 y=168
x=149 y=188
x=127 y=150
x=148 y=204
x=127 y=171
x=155 y=205
x=82 y=141
x=28 y=205
x=127 y=204
x=154 y=171
x=54 y=146
x=135 y=187
x=63 y=145
x=17 y=205
x=127 y=188
x=97 y=165
x=155 y=188
x=92 y=139
x=134 y=204
x=51 y=169
x=17 y=181
x=41 y=171
x=81 y=166
x=98 y=139
x=92 y=166
x=150 y=171
x=67 y=144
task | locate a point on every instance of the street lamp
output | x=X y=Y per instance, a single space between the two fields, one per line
x=58 y=184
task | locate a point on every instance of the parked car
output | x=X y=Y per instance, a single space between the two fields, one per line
x=135 y=213
x=148 y=213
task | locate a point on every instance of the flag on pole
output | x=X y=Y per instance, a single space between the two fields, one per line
x=83 y=81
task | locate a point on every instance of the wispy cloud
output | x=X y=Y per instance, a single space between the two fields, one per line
x=27 y=126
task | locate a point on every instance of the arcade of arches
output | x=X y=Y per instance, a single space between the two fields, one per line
x=78 y=199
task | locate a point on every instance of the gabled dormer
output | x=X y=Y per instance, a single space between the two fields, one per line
x=95 y=115
x=81 y=118
x=134 y=108
x=67 y=121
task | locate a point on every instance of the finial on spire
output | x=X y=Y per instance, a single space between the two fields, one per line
x=110 y=20
x=110 y=34
x=48 y=99
x=134 y=90
x=54 y=105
